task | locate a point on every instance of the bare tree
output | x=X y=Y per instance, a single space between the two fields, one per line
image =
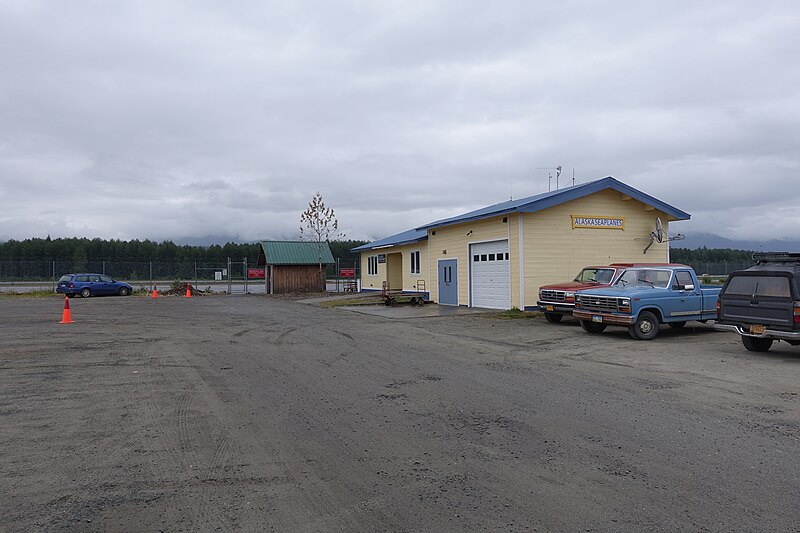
x=318 y=223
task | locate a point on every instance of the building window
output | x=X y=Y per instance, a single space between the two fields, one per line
x=415 y=262
x=372 y=265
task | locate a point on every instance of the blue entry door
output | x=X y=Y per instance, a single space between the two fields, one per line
x=448 y=282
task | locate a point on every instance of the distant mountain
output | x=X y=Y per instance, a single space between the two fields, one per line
x=711 y=240
x=208 y=240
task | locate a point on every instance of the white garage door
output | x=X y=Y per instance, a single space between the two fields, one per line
x=490 y=276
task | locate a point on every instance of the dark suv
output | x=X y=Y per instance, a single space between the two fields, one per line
x=91 y=285
x=762 y=303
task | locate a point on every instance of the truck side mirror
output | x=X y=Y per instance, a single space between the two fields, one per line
x=688 y=287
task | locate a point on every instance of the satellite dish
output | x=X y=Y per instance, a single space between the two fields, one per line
x=659 y=235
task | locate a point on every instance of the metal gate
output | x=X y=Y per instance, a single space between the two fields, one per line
x=237 y=276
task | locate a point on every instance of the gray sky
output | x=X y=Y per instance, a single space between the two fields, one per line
x=173 y=119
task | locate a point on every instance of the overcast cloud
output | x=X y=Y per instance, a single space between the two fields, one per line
x=175 y=119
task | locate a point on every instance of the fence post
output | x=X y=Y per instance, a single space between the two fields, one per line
x=151 y=276
x=245 y=276
x=54 y=276
x=196 y=281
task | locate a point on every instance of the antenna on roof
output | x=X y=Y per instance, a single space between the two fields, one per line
x=550 y=175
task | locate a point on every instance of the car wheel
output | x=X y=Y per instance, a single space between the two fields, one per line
x=755 y=344
x=592 y=327
x=646 y=326
x=677 y=325
x=86 y=292
x=553 y=317
x=123 y=291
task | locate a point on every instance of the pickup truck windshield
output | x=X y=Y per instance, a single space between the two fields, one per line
x=645 y=277
x=777 y=286
x=600 y=275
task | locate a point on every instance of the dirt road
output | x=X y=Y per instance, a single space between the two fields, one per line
x=249 y=413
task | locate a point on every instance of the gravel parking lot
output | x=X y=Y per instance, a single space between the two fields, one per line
x=252 y=413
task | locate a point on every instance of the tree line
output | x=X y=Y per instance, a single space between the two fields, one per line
x=47 y=258
x=87 y=250
x=44 y=259
x=709 y=255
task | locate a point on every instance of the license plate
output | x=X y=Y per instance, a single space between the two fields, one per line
x=757 y=329
x=597 y=318
x=548 y=307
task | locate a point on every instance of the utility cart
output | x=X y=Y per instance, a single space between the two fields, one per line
x=392 y=297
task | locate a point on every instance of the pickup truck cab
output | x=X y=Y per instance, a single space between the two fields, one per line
x=558 y=299
x=643 y=298
x=762 y=303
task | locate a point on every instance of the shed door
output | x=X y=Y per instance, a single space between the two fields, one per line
x=490 y=275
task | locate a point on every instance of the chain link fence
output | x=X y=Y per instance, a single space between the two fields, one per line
x=145 y=274
x=141 y=271
x=25 y=271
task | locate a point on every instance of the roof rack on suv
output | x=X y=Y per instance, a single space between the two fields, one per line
x=776 y=257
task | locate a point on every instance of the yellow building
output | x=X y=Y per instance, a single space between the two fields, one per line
x=498 y=256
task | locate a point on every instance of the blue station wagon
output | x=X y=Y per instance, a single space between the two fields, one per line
x=91 y=285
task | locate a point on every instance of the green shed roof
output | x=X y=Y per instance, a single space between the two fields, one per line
x=294 y=253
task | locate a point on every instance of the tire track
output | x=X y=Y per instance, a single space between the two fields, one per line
x=282 y=337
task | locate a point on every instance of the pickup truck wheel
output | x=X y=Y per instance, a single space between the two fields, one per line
x=592 y=327
x=553 y=317
x=677 y=325
x=646 y=326
x=754 y=344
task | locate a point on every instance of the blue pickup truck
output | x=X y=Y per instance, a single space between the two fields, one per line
x=644 y=298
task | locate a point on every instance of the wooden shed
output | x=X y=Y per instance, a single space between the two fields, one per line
x=294 y=266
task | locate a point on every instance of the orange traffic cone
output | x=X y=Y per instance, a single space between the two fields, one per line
x=66 y=316
x=155 y=292
x=188 y=291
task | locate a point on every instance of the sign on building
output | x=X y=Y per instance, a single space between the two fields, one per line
x=256 y=273
x=594 y=222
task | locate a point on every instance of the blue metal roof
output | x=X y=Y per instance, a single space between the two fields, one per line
x=552 y=198
x=407 y=237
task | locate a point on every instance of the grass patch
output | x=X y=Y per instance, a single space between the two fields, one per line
x=352 y=301
x=514 y=314
x=44 y=293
